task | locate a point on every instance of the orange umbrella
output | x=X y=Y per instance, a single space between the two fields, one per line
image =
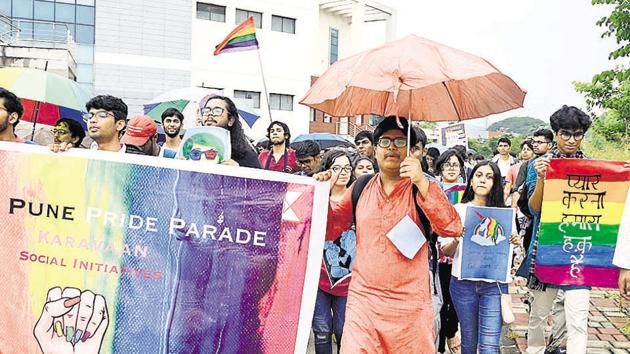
x=417 y=77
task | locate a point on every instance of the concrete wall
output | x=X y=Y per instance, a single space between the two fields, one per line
x=142 y=49
x=60 y=61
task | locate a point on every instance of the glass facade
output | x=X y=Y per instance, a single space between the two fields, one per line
x=47 y=20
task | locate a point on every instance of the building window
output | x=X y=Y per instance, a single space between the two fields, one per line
x=282 y=24
x=85 y=15
x=334 y=46
x=249 y=95
x=312 y=115
x=84 y=34
x=44 y=11
x=242 y=15
x=358 y=120
x=23 y=8
x=5 y=7
x=281 y=102
x=64 y=12
x=210 y=12
x=326 y=118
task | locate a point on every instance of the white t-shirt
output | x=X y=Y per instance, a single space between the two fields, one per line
x=123 y=147
x=504 y=166
x=457 y=258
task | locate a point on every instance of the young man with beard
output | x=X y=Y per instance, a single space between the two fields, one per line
x=221 y=112
x=11 y=110
x=172 y=122
x=280 y=158
x=389 y=307
x=69 y=131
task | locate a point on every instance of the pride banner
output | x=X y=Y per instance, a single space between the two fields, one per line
x=114 y=253
x=583 y=202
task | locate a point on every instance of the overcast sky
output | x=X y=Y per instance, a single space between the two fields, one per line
x=544 y=45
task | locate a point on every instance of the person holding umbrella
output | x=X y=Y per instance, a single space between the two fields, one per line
x=389 y=300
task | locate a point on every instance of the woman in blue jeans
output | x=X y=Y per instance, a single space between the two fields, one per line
x=478 y=302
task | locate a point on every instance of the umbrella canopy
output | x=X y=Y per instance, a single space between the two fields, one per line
x=187 y=100
x=56 y=96
x=325 y=140
x=416 y=76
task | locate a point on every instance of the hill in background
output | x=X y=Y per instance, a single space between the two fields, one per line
x=518 y=125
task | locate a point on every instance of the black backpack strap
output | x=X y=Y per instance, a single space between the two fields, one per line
x=359 y=186
x=357 y=189
x=424 y=221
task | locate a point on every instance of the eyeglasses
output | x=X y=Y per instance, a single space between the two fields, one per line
x=60 y=132
x=386 y=142
x=451 y=166
x=535 y=142
x=99 y=115
x=346 y=169
x=565 y=135
x=214 y=112
x=195 y=154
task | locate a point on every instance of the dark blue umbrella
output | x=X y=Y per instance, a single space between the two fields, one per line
x=325 y=140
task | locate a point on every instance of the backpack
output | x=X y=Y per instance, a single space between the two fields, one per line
x=357 y=189
x=523 y=199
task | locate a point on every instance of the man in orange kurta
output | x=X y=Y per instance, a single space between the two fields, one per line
x=389 y=307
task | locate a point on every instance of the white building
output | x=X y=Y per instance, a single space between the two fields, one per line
x=141 y=51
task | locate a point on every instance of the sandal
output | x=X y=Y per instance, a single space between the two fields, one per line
x=454 y=345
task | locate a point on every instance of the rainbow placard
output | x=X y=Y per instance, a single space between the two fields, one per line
x=454 y=191
x=116 y=253
x=583 y=202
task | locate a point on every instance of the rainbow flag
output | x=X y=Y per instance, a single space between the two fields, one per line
x=583 y=203
x=454 y=192
x=241 y=38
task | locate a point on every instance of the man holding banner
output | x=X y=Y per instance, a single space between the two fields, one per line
x=569 y=125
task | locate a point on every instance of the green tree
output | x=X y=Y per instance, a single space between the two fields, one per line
x=610 y=89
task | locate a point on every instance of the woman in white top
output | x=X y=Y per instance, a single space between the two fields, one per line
x=478 y=302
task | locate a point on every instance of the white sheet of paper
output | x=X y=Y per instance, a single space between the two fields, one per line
x=407 y=237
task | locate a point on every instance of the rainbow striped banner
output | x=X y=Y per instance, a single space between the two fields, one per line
x=454 y=191
x=160 y=255
x=241 y=38
x=582 y=207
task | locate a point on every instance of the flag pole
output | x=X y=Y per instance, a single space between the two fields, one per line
x=262 y=73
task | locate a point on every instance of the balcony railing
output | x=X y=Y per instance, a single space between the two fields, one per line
x=34 y=33
x=8 y=31
x=351 y=129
